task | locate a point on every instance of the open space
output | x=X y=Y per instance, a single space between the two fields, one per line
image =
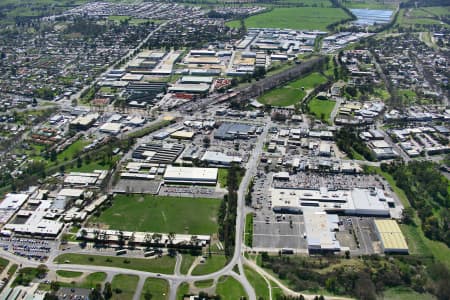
x=68 y=274
x=157 y=288
x=258 y=282
x=293 y=92
x=321 y=108
x=161 y=214
x=164 y=264
x=229 y=288
x=308 y=18
x=211 y=265
x=123 y=286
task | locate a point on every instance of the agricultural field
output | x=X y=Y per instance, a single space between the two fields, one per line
x=157 y=288
x=161 y=214
x=369 y=4
x=321 y=108
x=163 y=265
x=292 y=92
x=422 y=16
x=308 y=18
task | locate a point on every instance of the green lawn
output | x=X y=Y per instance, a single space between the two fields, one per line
x=295 y=18
x=222 y=177
x=158 y=288
x=277 y=292
x=229 y=288
x=73 y=150
x=164 y=264
x=186 y=263
x=68 y=274
x=183 y=289
x=258 y=282
x=125 y=285
x=293 y=92
x=25 y=276
x=204 y=283
x=369 y=4
x=3 y=263
x=211 y=265
x=161 y=214
x=405 y=294
x=321 y=108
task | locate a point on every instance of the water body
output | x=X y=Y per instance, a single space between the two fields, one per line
x=371 y=16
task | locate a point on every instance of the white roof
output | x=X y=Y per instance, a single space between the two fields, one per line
x=319 y=230
x=111 y=127
x=220 y=157
x=71 y=192
x=190 y=174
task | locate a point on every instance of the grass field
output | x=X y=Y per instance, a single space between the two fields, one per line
x=3 y=263
x=369 y=4
x=222 y=177
x=164 y=264
x=158 y=288
x=161 y=214
x=182 y=290
x=211 y=265
x=126 y=284
x=292 y=92
x=295 y=18
x=186 y=263
x=258 y=282
x=73 y=150
x=68 y=274
x=321 y=108
x=421 y=16
x=204 y=283
x=229 y=288
x=405 y=294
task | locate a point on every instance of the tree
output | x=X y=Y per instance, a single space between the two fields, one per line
x=408 y=215
x=120 y=239
x=107 y=291
x=41 y=271
x=54 y=286
x=53 y=155
x=148 y=295
x=171 y=237
x=96 y=293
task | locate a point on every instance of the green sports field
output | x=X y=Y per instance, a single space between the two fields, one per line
x=161 y=214
x=308 y=18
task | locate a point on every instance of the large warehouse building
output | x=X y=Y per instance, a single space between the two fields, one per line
x=320 y=231
x=391 y=237
x=358 y=201
x=204 y=176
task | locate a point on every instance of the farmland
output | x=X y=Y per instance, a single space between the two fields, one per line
x=161 y=214
x=295 y=18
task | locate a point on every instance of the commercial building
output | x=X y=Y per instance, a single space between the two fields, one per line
x=191 y=175
x=391 y=237
x=111 y=128
x=320 y=230
x=201 y=88
x=10 y=204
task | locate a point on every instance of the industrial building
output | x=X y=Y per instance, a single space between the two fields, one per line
x=391 y=237
x=320 y=231
x=231 y=131
x=84 y=122
x=220 y=159
x=191 y=175
x=358 y=201
x=160 y=153
x=85 y=179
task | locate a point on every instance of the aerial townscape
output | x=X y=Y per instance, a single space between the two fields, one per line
x=224 y=149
